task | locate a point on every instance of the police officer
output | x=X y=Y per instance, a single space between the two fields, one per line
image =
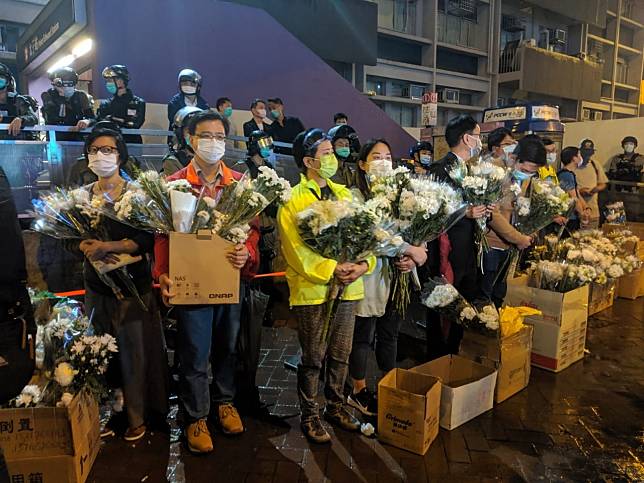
x=345 y=145
x=189 y=94
x=628 y=165
x=259 y=152
x=180 y=152
x=15 y=109
x=124 y=108
x=421 y=154
x=63 y=105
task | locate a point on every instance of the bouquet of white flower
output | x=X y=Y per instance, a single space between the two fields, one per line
x=544 y=203
x=339 y=230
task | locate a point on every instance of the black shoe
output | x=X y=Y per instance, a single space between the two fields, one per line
x=314 y=431
x=365 y=402
x=342 y=418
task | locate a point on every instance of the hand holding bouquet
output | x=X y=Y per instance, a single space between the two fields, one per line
x=545 y=202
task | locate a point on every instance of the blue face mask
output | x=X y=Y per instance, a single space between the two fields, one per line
x=3 y=83
x=111 y=87
x=275 y=113
x=520 y=176
x=228 y=111
x=187 y=139
x=343 y=152
x=265 y=152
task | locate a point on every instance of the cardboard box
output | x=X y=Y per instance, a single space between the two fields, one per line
x=467 y=388
x=601 y=297
x=200 y=271
x=631 y=286
x=53 y=444
x=510 y=356
x=635 y=227
x=557 y=308
x=408 y=409
x=555 y=347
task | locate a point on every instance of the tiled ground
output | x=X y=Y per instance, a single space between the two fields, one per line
x=584 y=424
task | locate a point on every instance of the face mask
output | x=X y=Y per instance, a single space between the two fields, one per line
x=261 y=113
x=508 y=150
x=328 y=166
x=425 y=159
x=520 y=176
x=476 y=150
x=68 y=91
x=102 y=165
x=189 y=90
x=551 y=158
x=379 y=167
x=586 y=153
x=265 y=152
x=629 y=148
x=3 y=83
x=275 y=113
x=340 y=123
x=111 y=87
x=211 y=150
x=228 y=111
x=343 y=152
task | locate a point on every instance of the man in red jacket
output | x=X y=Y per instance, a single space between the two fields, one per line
x=203 y=326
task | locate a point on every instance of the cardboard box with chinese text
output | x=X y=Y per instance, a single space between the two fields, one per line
x=601 y=297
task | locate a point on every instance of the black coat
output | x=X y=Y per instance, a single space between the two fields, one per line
x=66 y=111
x=128 y=111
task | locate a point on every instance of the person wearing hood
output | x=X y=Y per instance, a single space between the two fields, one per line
x=628 y=165
x=123 y=108
x=591 y=180
x=422 y=154
x=64 y=105
x=345 y=142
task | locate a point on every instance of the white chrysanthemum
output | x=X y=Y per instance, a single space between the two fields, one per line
x=615 y=271
x=64 y=374
x=180 y=185
x=442 y=296
x=468 y=313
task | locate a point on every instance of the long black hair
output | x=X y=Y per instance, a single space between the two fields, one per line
x=361 y=175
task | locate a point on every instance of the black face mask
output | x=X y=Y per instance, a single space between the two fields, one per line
x=586 y=154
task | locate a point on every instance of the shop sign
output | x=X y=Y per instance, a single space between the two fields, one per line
x=506 y=114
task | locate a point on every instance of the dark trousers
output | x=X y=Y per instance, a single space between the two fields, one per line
x=315 y=350
x=495 y=267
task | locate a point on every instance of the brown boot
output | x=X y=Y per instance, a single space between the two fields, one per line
x=198 y=436
x=229 y=419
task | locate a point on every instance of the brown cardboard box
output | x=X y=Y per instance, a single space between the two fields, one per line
x=408 y=408
x=601 y=297
x=509 y=355
x=200 y=271
x=53 y=444
x=467 y=388
x=560 y=332
x=635 y=227
x=631 y=286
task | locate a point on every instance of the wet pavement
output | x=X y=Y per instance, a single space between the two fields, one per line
x=583 y=424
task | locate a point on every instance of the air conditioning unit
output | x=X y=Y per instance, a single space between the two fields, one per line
x=585 y=114
x=597 y=115
x=511 y=23
x=414 y=92
x=557 y=36
x=450 y=96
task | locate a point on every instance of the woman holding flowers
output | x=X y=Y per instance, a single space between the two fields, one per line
x=136 y=327
x=309 y=276
x=376 y=320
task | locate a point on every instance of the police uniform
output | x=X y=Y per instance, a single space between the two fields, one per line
x=128 y=111
x=17 y=106
x=66 y=111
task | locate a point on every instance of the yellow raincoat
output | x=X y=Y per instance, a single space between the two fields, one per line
x=309 y=274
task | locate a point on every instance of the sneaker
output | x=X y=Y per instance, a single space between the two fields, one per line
x=198 y=436
x=314 y=431
x=365 y=402
x=134 y=434
x=229 y=419
x=107 y=432
x=342 y=418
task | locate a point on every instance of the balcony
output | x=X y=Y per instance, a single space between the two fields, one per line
x=544 y=72
x=461 y=32
x=397 y=15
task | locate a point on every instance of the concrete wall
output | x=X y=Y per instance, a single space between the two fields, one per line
x=607 y=135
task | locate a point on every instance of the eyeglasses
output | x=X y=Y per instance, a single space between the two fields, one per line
x=103 y=149
x=207 y=135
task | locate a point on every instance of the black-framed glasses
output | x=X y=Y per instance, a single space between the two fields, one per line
x=207 y=135
x=107 y=150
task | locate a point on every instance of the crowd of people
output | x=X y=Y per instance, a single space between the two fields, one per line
x=333 y=165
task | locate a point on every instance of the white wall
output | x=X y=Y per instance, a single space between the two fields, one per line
x=607 y=135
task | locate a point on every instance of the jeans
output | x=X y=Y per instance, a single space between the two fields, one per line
x=201 y=327
x=495 y=268
x=310 y=320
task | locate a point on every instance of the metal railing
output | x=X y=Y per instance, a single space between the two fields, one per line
x=458 y=31
x=510 y=60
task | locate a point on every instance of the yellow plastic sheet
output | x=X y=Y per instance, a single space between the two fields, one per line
x=511 y=319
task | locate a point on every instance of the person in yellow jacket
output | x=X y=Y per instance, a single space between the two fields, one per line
x=309 y=275
x=549 y=171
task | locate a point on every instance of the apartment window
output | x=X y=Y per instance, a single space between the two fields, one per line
x=377 y=85
x=398 y=15
x=9 y=34
x=405 y=115
x=459 y=8
x=621 y=71
x=448 y=60
x=399 y=50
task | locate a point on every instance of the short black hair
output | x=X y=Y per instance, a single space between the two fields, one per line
x=257 y=101
x=547 y=141
x=531 y=149
x=207 y=115
x=221 y=101
x=457 y=127
x=340 y=115
x=276 y=100
x=496 y=137
x=110 y=129
x=568 y=153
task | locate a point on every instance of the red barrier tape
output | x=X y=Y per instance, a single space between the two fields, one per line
x=78 y=293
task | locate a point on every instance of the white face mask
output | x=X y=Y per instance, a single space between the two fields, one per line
x=261 y=113
x=551 y=158
x=379 y=167
x=102 y=165
x=211 y=150
x=189 y=90
x=629 y=148
x=475 y=151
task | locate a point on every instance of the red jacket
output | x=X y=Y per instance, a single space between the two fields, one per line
x=161 y=242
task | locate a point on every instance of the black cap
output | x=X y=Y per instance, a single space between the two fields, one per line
x=587 y=144
x=119 y=71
